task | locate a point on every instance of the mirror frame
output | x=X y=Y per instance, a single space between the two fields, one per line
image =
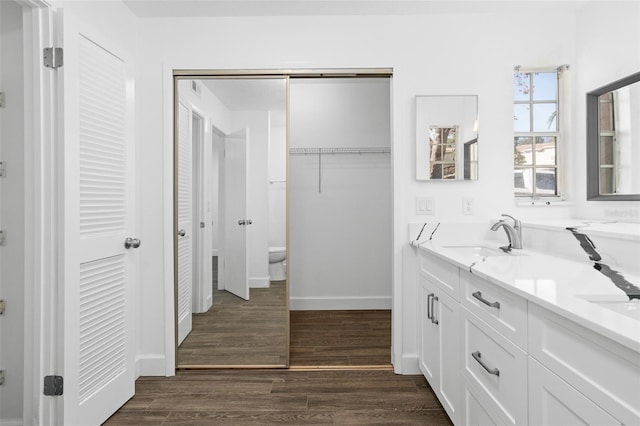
x=593 y=139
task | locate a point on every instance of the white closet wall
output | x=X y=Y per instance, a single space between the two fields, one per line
x=340 y=204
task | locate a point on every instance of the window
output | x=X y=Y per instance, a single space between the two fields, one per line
x=607 y=128
x=536 y=133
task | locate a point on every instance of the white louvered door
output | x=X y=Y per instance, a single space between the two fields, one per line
x=185 y=223
x=97 y=216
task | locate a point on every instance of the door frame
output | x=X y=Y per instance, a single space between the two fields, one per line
x=42 y=319
x=171 y=77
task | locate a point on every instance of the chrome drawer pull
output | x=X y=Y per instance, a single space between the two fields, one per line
x=433 y=312
x=429 y=314
x=478 y=296
x=478 y=357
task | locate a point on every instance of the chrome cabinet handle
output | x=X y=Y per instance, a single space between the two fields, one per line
x=478 y=296
x=182 y=233
x=478 y=357
x=131 y=243
x=433 y=312
x=242 y=222
x=429 y=314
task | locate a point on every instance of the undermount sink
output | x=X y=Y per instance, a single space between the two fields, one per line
x=479 y=251
x=629 y=308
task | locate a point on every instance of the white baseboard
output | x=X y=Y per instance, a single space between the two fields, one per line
x=11 y=422
x=338 y=303
x=409 y=365
x=151 y=365
x=262 y=282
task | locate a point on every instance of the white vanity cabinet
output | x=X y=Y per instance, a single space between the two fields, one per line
x=439 y=342
x=494 y=366
x=574 y=371
x=497 y=356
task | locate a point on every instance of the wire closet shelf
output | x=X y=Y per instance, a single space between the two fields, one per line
x=364 y=150
x=321 y=151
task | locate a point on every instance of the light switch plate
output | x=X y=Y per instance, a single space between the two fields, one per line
x=425 y=206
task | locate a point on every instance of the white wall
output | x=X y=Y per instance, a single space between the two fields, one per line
x=481 y=54
x=12 y=201
x=340 y=216
x=608 y=49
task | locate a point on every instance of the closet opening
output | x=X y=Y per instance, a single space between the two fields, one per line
x=282 y=219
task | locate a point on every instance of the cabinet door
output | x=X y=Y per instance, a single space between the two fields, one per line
x=552 y=401
x=429 y=351
x=439 y=345
x=447 y=315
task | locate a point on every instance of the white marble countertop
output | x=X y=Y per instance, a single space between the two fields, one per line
x=564 y=286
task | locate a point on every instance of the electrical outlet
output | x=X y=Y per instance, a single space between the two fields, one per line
x=467 y=206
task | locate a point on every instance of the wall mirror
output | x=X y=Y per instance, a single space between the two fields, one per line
x=613 y=141
x=447 y=137
x=230 y=212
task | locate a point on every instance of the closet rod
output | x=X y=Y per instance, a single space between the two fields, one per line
x=367 y=150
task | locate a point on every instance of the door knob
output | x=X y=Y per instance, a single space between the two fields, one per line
x=131 y=243
x=182 y=233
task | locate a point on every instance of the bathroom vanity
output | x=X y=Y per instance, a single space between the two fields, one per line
x=534 y=336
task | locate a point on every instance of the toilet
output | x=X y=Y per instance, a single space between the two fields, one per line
x=278 y=263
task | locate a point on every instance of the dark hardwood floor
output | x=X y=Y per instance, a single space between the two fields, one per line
x=239 y=332
x=279 y=397
x=333 y=338
x=340 y=371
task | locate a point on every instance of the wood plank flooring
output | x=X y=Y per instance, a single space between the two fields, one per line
x=239 y=332
x=283 y=397
x=333 y=338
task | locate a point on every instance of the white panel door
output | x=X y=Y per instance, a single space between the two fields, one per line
x=185 y=223
x=236 y=268
x=97 y=216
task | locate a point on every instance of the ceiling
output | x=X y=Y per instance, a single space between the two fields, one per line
x=251 y=94
x=219 y=8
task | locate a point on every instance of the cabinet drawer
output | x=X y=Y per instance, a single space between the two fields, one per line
x=496 y=369
x=501 y=309
x=604 y=371
x=552 y=401
x=444 y=274
x=475 y=412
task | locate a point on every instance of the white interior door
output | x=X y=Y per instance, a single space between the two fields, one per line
x=236 y=268
x=185 y=223
x=202 y=287
x=98 y=215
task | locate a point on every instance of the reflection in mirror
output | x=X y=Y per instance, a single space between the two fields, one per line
x=613 y=141
x=442 y=159
x=446 y=137
x=232 y=311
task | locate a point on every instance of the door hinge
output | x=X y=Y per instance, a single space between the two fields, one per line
x=3 y=306
x=2 y=99
x=3 y=238
x=52 y=57
x=1 y=377
x=3 y=169
x=53 y=385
